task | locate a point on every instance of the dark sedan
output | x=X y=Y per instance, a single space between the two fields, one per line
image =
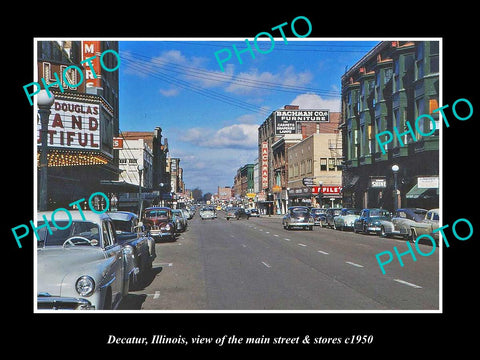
x=319 y=216
x=237 y=213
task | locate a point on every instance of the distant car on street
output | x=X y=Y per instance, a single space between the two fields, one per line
x=429 y=223
x=330 y=215
x=237 y=213
x=346 y=219
x=298 y=216
x=319 y=216
x=179 y=220
x=159 y=222
x=254 y=213
x=207 y=212
x=402 y=221
x=371 y=220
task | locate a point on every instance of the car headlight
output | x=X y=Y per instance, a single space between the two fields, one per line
x=167 y=227
x=85 y=285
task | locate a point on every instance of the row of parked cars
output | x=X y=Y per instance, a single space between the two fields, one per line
x=91 y=261
x=408 y=223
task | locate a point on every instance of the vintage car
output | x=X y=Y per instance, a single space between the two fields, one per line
x=81 y=266
x=130 y=233
x=426 y=226
x=401 y=222
x=330 y=216
x=371 y=220
x=298 y=216
x=180 y=220
x=207 y=212
x=237 y=213
x=158 y=221
x=346 y=219
x=319 y=216
x=254 y=213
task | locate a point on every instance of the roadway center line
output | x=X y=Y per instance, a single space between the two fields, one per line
x=322 y=252
x=351 y=263
x=264 y=263
x=156 y=295
x=286 y=239
x=300 y=244
x=407 y=283
x=276 y=235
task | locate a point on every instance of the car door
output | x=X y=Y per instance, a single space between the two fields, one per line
x=113 y=251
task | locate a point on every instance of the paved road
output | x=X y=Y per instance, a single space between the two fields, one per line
x=257 y=265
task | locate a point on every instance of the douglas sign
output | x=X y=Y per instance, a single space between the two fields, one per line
x=73 y=125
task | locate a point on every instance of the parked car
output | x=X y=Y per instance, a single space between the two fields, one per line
x=371 y=220
x=346 y=219
x=186 y=213
x=179 y=220
x=429 y=223
x=298 y=216
x=319 y=216
x=330 y=215
x=208 y=212
x=81 y=266
x=237 y=213
x=130 y=233
x=158 y=221
x=402 y=221
x=254 y=213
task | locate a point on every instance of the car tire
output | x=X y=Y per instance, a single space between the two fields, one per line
x=413 y=236
x=382 y=232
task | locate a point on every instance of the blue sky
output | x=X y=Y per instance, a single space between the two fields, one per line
x=211 y=117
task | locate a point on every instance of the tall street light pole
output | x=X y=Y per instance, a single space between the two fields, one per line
x=395 y=169
x=140 y=202
x=44 y=103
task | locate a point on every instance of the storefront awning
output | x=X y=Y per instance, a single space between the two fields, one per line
x=421 y=193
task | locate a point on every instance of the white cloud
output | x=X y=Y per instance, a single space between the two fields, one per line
x=314 y=101
x=169 y=92
x=236 y=136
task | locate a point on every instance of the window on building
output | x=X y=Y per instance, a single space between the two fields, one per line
x=309 y=166
x=434 y=56
x=331 y=164
x=323 y=164
x=419 y=60
x=302 y=168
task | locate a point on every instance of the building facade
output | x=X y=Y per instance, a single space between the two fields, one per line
x=83 y=121
x=386 y=90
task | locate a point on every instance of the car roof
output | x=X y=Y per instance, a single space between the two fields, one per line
x=88 y=215
x=122 y=215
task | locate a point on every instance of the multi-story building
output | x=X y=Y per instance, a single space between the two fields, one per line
x=281 y=129
x=83 y=121
x=386 y=90
x=135 y=155
x=317 y=157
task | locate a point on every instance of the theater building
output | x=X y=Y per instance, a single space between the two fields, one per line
x=392 y=85
x=82 y=124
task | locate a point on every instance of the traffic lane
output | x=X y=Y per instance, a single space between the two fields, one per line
x=176 y=281
x=351 y=262
x=364 y=248
x=244 y=271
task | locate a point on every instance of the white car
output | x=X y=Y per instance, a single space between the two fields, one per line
x=346 y=219
x=82 y=266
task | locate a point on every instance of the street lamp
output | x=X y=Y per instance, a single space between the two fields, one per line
x=320 y=195
x=395 y=169
x=140 y=202
x=161 y=186
x=44 y=103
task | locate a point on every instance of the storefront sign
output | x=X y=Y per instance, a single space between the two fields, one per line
x=73 y=125
x=328 y=190
x=91 y=49
x=286 y=120
x=378 y=182
x=264 y=165
x=117 y=143
x=427 y=182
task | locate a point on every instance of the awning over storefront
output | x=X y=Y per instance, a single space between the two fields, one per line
x=421 y=193
x=117 y=186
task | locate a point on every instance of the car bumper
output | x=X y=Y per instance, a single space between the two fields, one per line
x=161 y=233
x=373 y=228
x=63 y=303
x=302 y=224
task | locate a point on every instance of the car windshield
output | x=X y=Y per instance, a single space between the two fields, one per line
x=318 y=211
x=156 y=213
x=337 y=211
x=86 y=229
x=122 y=226
x=379 y=213
x=351 y=212
x=299 y=211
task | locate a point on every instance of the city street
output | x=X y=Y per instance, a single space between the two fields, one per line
x=255 y=264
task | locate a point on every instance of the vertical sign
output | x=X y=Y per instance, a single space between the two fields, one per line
x=91 y=49
x=264 y=165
